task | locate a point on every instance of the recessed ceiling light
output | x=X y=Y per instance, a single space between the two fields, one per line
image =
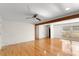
x=67 y=9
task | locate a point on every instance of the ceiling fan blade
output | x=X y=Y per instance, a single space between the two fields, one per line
x=28 y=17
x=38 y=19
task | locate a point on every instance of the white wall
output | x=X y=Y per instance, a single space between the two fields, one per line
x=0 y=33
x=0 y=36
x=17 y=32
x=56 y=28
x=43 y=31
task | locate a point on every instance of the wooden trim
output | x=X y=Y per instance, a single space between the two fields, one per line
x=60 y=19
x=36 y=35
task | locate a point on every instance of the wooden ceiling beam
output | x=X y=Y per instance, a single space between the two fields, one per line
x=60 y=19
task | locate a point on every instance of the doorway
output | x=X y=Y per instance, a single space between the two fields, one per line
x=43 y=31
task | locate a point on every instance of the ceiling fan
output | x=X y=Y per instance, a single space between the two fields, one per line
x=33 y=15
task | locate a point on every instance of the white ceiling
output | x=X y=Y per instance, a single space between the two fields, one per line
x=46 y=11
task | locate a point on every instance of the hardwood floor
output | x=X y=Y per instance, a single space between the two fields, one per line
x=42 y=47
